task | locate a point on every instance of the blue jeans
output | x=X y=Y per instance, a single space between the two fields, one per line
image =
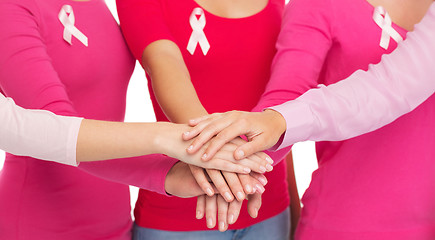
x=275 y=228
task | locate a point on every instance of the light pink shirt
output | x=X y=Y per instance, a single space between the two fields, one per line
x=398 y=84
x=36 y=133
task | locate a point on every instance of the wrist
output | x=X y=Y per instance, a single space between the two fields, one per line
x=278 y=121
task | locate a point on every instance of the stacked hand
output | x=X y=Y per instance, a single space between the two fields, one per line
x=262 y=129
x=217 y=145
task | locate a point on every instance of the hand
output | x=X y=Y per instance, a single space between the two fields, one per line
x=180 y=182
x=229 y=184
x=171 y=144
x=228 y=213
x=263 y=130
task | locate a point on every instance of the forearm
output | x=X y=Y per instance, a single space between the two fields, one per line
x=101 y=140
x=39 y=134
x=170 y=78
x=367 y=100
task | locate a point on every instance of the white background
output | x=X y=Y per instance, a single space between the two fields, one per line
x=139 y=109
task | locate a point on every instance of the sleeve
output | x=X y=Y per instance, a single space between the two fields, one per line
x=302 y=46
x=367 y=100
x=142 y=22
x=27 y=75
x=37 y=133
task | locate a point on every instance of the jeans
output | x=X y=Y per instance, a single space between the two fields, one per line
x=275 y=228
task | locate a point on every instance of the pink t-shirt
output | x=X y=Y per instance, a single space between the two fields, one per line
x=378 y=185
x=40 y=70
x=232 y=75
x=395 y=86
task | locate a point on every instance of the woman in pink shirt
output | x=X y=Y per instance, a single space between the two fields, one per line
x=378 y=185
x=70 y=58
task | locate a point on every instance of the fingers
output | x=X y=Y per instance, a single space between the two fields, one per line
x=210 y=210
x=260 y=177
x=195 y=121
x=254 y=204
x=225 y=162
x=257 y=164
x=256 y=145
x=201 y=179
x=220 y=184
x=200 y=206
x=251 y=184
x=222 y=207
x=203 y=133
x=208 y=128
x=197 y=128
x=235 y=185
x=234 y=211
x=224 y=136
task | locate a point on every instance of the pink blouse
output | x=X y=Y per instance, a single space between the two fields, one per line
x=395 y=86
x=378 y=185
x=39 y=69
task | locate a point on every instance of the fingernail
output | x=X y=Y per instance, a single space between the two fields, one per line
x=187 y=134
x=269 y=160
x=263 y=180
x=209 y=192
x=262 y=169
x=209 y=222
x=269 y=167
x=231 y=219
x=248 y=188
x=246 y=170
x=255 y=212
x=240 y=196
x=204 y=156
x=190 y=147
x=228 y=196
x=240 y=153
x=259 y=188
x=198 y=214
x=221 y=226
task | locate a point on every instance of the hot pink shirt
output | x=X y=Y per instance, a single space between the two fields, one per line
x=378 y=185
x=395 y=86
x=39 y=70
x=231 y=76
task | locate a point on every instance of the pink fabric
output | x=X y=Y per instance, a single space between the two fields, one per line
x=376 y=186
x=36 y=133
x=39 y=70
x=231 y=76
x=367 y=100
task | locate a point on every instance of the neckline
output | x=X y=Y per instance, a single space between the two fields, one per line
x=227 y=18
x=398 y=28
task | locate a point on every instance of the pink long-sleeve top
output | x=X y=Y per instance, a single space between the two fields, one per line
x=375 y=186
x=37 y=133
x=231 y=75
x=367 y=100
x=40 y=70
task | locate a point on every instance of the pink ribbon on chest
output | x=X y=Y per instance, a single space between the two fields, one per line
x=67 y=18
x=383 y=20
x=198 y=35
